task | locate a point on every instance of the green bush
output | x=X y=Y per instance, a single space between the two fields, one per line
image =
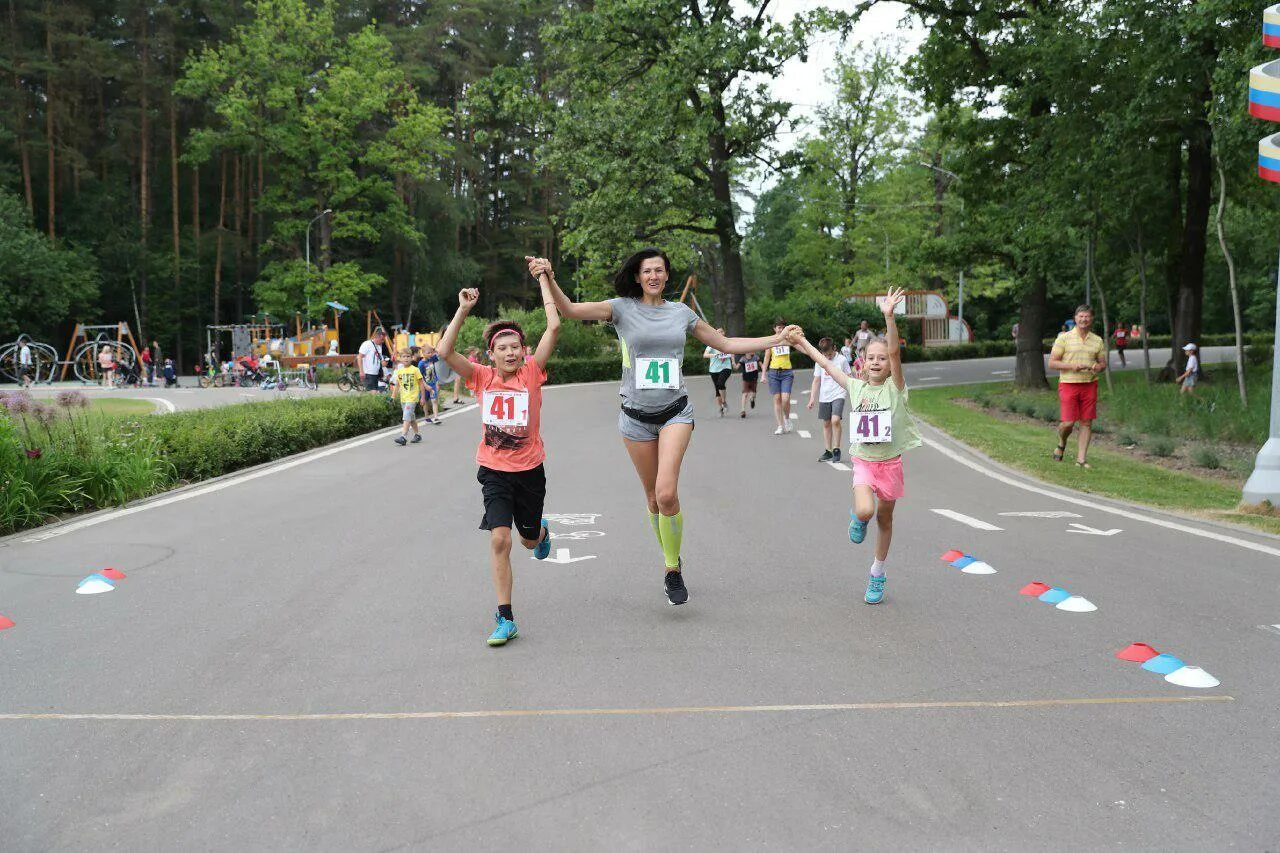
x=1205 y=457
x=1161 y=446
x=820 y=315
x=1128 y=439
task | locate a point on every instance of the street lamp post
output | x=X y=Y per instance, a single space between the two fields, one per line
x=1264 y=89
x=319 y=215
x=955 y=178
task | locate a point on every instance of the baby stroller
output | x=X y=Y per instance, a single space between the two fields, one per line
x=127 y=375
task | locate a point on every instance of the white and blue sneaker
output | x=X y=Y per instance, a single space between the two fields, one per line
x=875 y=590
x=505 y=631
x=857 y=528
x=543 y=549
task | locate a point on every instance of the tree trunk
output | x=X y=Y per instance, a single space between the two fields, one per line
x=735 y=319
x=195 y=255
x=217 y=254
x=144 y=187
x=1092 y=273
x=48 y=121
x=1142 y=305
x=237 y=208
x=1231 y=280
x=175 y=204
x=1030 y=359
x=20 y=109
x=1189 y=309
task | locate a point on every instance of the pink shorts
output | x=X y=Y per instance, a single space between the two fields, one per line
x=884 y=478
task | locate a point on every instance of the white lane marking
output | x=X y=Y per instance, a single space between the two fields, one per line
x=806 y=391
x=1093 y=531
x=1274 y=629
x=1123 y=513
x=1001 y=372
x=803 y=433
x=840 y=466
x=572 y=517
x=927 y=378
x=578 y=534
x=162 y=401
x=1045 y=514
x=562 y=556
x=233 y=480
x=794 y=416
x=975 y=523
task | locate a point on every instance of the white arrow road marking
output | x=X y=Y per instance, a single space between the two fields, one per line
x=976 y=523
x=562 y=556
x=1093 y=531
x=1274 y=629
x=1045 y=514
x=840 y=466
x=803 y=433
x=578 y=534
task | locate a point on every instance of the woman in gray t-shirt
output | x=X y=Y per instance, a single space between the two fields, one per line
x=656 y=420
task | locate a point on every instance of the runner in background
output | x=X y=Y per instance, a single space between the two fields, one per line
x=512 y=476
x=1121 y=338
x=656 y=420
x=831 y=394
x=720 y=369
x=777 y=369
x=861 y=338
x=750 y=363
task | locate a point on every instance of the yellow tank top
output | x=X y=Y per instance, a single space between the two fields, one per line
x=780 y=359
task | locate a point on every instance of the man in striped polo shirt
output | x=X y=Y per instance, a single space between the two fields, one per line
x=1079 y=355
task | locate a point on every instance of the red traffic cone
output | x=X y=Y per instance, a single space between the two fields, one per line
x=6 y=622
x=1137 y=652
x=952 y=556
x=1035 y=588
x=114 y=574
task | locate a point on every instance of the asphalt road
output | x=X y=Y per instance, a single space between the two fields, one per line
x=308 y=646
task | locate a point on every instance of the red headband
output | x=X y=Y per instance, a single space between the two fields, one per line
x=506 y=331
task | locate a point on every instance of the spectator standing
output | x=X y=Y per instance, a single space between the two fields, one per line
x=26 y=365
x=1121 y=338
x=369 y=359
x=107 y=363
x=1079 y=356
x=148 y=367
x=1191 y=375
x=860 y=340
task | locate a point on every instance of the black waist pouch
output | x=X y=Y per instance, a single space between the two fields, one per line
x=659 y=417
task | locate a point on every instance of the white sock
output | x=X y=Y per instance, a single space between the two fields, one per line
x=877 y=569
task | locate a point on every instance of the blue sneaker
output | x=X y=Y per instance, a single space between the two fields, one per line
x=506 y=630
x=543 y=549
x=875 y=591
x=857 y=529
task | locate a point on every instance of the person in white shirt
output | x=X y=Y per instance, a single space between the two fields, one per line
x=831 y=393
x=1191 y=375
x=26 y=365
x=370 y=359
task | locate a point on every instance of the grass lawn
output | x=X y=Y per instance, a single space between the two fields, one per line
x=121 y=407
x=1015 y=428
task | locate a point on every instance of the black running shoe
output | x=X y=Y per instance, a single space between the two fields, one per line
x=676 y=591
x=826 y=456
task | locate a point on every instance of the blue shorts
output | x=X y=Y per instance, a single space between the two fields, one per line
x=780 y=381
x=433 y=391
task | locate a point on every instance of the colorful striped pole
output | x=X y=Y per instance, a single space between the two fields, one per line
x=1264 y=103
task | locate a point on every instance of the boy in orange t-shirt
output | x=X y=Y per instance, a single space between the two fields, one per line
x=510 y=455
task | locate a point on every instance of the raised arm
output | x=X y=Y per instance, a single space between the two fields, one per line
x=547 y=344
x=602 y=311
x=467 y=299
x=707 y=333
x=795 y=337
x=887 y=303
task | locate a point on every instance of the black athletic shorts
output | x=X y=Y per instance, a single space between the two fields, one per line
x=371 y=382
x=749 y=381
x=513 y=496
x=720 y=379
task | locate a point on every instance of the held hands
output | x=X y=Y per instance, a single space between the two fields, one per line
x=538 y=267
x=468 y=297
x=792 y=335
x=891 y=300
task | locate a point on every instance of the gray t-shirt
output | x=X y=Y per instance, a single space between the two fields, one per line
x=652 y=339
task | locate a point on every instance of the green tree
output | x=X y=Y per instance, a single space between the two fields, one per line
x=40 y=282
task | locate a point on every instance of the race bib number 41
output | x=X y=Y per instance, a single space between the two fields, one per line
x=657 y=373
x=506 y=408
x=873 y=427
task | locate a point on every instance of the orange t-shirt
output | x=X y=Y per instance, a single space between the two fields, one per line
x=510 y=412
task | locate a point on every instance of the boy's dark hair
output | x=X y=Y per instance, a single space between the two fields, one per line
x=778 y=321
x=624 y=280
x=498 y=327
x=826 y=345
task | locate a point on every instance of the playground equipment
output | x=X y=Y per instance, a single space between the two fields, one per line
x=44 y=360
x=691 y=292
x=929 y=309
x=82 y=353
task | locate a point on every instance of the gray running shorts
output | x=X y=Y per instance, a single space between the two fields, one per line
x=641 y=431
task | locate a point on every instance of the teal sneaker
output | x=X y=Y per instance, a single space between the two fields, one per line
x=875 y=591
x=506 y=630
x=543 y=549
x=857 y=529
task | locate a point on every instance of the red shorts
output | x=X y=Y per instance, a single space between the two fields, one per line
x=1078 y=401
